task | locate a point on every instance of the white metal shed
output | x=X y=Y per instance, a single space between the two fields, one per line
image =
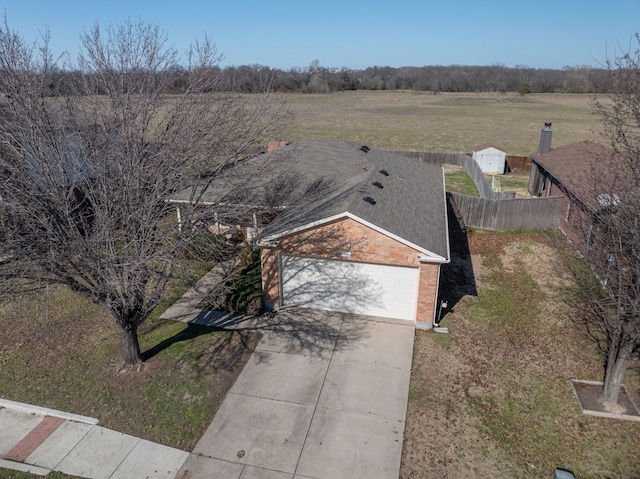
x=490 y=159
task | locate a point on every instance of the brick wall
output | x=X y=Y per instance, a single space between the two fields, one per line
x=364 y=244
x=574 y=220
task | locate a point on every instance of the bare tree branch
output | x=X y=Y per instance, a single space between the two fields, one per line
x=87 y=175
x=611 y=230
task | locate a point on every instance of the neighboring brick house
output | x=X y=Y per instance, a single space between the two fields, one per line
x=356 y=229
x=574 y=172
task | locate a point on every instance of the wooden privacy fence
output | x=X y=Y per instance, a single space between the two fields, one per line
x=435 y=158
x=519 y=163
x=474 y=171
x=500 y=211
x=515 y=162
x=508 y=214
x=468 y=164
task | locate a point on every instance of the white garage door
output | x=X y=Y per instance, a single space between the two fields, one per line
x=350 y=287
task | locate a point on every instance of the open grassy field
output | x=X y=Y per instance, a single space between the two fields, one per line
x=452 y=122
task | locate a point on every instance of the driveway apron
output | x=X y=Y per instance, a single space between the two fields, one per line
x=324 y=396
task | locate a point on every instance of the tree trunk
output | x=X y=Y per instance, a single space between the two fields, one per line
x=617 y=363
x=131 y=347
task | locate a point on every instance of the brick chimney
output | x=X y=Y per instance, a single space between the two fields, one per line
x=545 y=138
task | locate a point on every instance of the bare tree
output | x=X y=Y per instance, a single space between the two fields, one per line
x=86 y=175
x=612 y=229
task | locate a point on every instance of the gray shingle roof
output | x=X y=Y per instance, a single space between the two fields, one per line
x=331 y=177
x=581 y=167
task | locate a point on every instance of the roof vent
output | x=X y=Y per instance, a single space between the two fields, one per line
x=377 y=184
x=364 y=148
x=384 y=172
x=369 y=200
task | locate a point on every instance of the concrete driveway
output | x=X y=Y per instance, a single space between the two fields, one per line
x=324 y=396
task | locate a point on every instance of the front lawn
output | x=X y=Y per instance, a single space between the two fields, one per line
x=492 y=398
x=58 y=350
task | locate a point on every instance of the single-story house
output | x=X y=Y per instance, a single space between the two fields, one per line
x=490 y=158
x=574 y=172
x=356 y=229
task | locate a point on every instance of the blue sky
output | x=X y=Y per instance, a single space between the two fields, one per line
x=356 y=33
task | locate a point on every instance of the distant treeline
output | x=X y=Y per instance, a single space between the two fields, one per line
x=435 y=79
x=317 y=79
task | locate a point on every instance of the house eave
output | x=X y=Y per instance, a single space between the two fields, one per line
x=424 y=255
x=446 y=221
x=220 y=204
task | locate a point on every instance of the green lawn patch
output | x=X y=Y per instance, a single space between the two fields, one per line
x=457 y=181
x=61 y=351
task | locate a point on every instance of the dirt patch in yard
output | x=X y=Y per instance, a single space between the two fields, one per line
x=588 y=394
x=493 y=397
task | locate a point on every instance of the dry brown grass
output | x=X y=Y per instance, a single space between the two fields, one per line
x=453 y=122
x=493 y=398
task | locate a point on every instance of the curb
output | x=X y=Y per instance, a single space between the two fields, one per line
x=610 y=415
x=47 y=412
x=22 y=467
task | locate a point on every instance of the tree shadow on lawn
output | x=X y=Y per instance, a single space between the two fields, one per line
x=239 y=341
x=293 y=330
x=191 y=331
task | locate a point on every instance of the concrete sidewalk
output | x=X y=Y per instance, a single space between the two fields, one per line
x=186 y=308
x=324 y=396
x=40 y=440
